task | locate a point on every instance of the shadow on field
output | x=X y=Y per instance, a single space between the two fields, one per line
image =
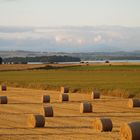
x=102 y=115
x=46 y=134
x=13 y=128
x=115 y=112
x=57 y=102
x=69 y=102
x=68 y=127
x=25 y=113
x=49 y=127
x=26 y=103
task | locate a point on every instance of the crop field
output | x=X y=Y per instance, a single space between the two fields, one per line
x=118 y=80
x=28 y=84
x=67 y=123
x=10 y=67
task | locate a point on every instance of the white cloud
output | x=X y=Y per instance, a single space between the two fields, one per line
x=97 y=39
x=72 y=40
x=72 y=37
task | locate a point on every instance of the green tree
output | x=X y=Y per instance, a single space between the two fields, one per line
x=0 y=60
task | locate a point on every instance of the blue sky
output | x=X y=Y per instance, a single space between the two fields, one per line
x=69 y=12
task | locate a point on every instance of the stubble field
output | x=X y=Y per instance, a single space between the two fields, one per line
x=67 y=123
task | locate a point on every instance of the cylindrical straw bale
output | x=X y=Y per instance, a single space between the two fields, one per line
x=85 y=107
x=35 y=121
x=95 y=95
x=48 y=111
x=130 y=131
x=64 y=90
x=3 y=87
x=133 y=103
x=3 y=100
x=103 y=124
x=63 y=97
x=46 y=99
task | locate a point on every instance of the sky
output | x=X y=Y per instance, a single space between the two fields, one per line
x=69 y=12
x=70 y=39
x=70 y=25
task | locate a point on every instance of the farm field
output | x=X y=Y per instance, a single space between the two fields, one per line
x=9 y=67
x=121 y=80
x=67 y=122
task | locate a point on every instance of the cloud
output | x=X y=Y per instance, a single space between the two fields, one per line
x=97 y=39
x=70 y=38
x=8 y=0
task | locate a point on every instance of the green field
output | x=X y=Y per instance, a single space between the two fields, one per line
x=117 y=79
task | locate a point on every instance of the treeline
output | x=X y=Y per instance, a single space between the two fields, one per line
x=0 y=60
x=42 y=59
x=117 y=58
x=103 y=58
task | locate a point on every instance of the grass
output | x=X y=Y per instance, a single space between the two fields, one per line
x=92 y=68
x=110 y=79
x=101 y=67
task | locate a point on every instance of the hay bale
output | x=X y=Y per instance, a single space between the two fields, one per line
x=35 y=121
x=130 y=131
x=47 y=111
x=63 y=97
x=133 y=103
x=46 y=99
x=3 y=100
x=103 y=124
x=95 y=95
x=64 y=90
x=85 y=107
x=3 y=87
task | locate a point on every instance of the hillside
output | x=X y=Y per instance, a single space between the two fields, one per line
x=134 y=55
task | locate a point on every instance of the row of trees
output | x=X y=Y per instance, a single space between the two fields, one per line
x=0 y=60
x=43 y=59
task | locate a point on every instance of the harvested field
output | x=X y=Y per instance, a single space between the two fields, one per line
x=10 y=67
x=67 y=122
x=115 y=80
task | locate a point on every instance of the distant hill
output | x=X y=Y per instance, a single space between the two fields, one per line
x=21 y=53
x=135 y=55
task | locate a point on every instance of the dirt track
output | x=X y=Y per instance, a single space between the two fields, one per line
x=67 y=123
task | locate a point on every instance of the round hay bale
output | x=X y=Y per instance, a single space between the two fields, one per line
x=103 y=124
x=63 y=97
x=46 y=99
x=3 y=100
x=48 y=111
x=85 y=107
x=3 y=87
x=95 y=95
x=130 y=131
x=35 y=121
x=133 y=103
x=64 y=90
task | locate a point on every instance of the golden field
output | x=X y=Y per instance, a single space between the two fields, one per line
x=67 y=122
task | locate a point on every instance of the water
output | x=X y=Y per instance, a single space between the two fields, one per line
x=96 y=61
x=35 y=63
x=102 y=61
